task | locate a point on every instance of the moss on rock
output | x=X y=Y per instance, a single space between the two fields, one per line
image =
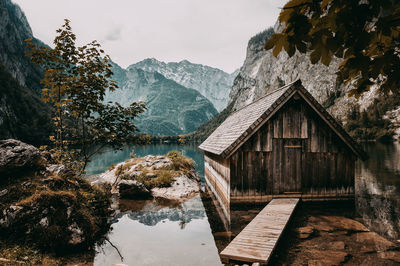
x=52 y=212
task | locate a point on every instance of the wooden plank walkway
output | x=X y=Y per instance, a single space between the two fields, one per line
x=258 y=239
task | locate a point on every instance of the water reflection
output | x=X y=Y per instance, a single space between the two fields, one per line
x=160 y=234
x=378 y=189
x=154 y=212
x=173 y=233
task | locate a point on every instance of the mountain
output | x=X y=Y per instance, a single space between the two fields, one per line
x=372 y=116
x=172 y=109
x=212 y=83
x=14 y=29
x=262 y=72
x=22 y=114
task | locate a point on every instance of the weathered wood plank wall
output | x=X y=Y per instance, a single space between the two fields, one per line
x=217 y=175
x=295 y=151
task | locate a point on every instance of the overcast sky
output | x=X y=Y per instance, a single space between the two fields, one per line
x=210 y=32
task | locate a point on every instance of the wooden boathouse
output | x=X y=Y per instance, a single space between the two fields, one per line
x=283 y=145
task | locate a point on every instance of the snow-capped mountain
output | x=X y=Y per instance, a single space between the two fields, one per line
x=212 y=83
x=172 y=109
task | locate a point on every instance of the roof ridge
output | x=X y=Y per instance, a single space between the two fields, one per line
x=266 y=95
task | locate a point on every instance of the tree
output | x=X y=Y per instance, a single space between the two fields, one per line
x=75 y=82
x=366 y=34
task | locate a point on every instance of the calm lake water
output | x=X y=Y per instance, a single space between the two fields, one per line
x=170 y=233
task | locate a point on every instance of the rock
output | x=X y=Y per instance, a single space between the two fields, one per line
x=338 y=245
x=44 y=222
x=60 y=170
x=133 y=168
x=371 y=241
x=305 y=232
x=262 y=72
x=182 y=187
x=151 y=175
x=391 y=255
x=336 y=223
x=76 y=234
x=326 y=257
x=247 y=217
x=17 y=157
x=3 y=192
x=133 y=190
x=9 y=215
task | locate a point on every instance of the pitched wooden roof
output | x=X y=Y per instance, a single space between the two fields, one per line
x=240 y=125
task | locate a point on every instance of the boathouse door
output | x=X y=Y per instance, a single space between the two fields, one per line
x=291 y=166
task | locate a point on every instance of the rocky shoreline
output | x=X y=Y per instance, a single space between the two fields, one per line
x=327 y=233
x=171 y=177
x=47 y=211
x=48 y=214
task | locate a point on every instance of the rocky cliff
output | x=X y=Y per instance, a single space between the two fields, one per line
x=172 y=109
x=22 y=114
x=371 y=117
x=212 y=83
x=14 y=29
x=262 y=72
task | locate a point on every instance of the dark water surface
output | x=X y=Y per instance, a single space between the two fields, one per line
x=171 y=233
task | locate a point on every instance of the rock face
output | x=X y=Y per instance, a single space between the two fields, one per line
x=17 y=157
x=262 y=73
x=172 y=109
x=22 y=113
x=212 y=83
x=14 y=29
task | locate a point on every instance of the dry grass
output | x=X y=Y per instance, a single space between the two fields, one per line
x=162 y=178
x=47 y=196
x=60 y=201
x=111 y=167
x=24 y=255
x=179 y=161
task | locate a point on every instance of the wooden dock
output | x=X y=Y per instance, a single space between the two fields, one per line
x=258 y=239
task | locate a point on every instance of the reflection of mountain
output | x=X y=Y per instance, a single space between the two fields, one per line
x=378 y=189
x=151 y=214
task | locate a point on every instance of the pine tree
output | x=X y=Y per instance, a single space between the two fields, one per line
x=75 y=82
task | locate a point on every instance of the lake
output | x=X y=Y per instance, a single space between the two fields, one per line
x=170 y=233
